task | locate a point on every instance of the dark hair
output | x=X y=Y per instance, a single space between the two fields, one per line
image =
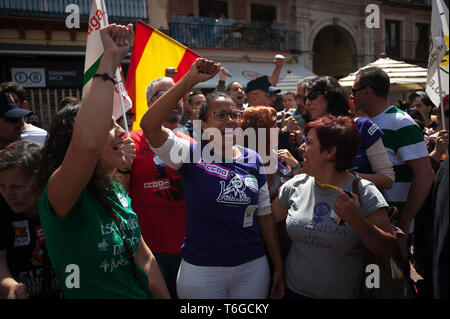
x=54 y=151
x=211 y=97
x=340 y=132
x=192 y=94
x=15 y=88
x=227 y=90
x=376 y=79
x=333 y=93
x=68 y=100
x=289 y=93
x=417 y=117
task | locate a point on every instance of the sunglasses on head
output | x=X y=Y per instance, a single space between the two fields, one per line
x=312 y=96
x=222 y=115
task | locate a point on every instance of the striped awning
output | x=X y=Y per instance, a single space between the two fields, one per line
x=403 y=76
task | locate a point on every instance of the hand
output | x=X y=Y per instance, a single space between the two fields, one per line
x=278 y=285
x=202 y=70
x=441 y=142
x=18 y=291
x=289 y=124
x=286 y=157
x=117 y=41
x=129 y=152
x=279 y=60
x=171 y=72
x=295 y=138
x=347 y=208
x=223 y=74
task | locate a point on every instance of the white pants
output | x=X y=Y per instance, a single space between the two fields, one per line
x=247 y=281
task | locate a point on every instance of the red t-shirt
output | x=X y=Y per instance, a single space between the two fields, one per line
x=157 y=197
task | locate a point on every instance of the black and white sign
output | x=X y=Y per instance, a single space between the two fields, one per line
x=29 y=77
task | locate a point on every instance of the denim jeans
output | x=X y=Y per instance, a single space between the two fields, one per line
x=169 y=264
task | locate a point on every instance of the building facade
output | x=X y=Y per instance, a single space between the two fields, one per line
x=327 y=37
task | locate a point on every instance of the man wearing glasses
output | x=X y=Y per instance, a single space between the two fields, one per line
x=403 y=141
x=156 y=193
x=11 y=117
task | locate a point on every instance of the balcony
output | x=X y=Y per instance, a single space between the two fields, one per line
x=118 y=10
x=206 y=32
x=424 y=4
x=414 y=51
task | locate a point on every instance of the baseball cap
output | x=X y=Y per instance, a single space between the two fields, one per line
x=422 y=96
x=261 y=83
x=9 y=108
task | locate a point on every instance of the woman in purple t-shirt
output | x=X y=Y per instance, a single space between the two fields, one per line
x=228 y=215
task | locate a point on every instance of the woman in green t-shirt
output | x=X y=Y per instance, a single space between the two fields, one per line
x=93 y=238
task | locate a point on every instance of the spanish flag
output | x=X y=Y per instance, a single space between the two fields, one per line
x=153 y=52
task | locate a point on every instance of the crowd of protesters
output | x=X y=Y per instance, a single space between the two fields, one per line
x=183 y=209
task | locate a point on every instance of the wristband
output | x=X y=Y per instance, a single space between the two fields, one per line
x=295 y=167
x=105 y=77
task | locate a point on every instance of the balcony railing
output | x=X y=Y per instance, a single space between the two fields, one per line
x=403 y=50
x=233 y=34
x=117 y=9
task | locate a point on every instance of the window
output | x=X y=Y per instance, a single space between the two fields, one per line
x=392 y=38
x=422 y=38
x=264 y=13
x=213 y=9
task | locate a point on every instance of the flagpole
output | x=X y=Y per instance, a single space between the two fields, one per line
x=119 y=82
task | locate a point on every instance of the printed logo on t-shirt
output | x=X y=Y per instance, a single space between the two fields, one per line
x=372 y=129
x=157 y=185
x=123 y=200
x=21 y=233
x=320 y=210
x=213 y=169
x=234 y=192
x=251 y=182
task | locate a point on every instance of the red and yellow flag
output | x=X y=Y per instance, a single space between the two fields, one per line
x=153 y=52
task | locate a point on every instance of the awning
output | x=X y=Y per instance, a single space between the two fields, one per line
x=403 y=76
x=245 y=72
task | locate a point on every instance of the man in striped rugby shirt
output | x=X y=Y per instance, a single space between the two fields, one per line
x=404 y=144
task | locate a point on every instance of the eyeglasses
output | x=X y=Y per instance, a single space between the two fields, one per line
x=12 y=120
x=222 y=115
x=158 y=94
x=356 y=90
x=312 y=95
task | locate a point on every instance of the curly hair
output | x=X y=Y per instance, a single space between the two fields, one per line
x=259 y=117
x=333 y=93
x=54 y=151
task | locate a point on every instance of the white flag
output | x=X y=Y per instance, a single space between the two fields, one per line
x=438 y=57
x=98 y=18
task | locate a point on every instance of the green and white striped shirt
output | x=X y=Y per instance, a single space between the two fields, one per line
x=403 y=141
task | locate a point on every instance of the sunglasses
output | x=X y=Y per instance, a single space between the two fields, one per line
x=222 y=115
x=312 y=95
x=356 y=90
x=12 y=120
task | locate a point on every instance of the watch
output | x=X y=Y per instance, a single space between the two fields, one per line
x=105 y=77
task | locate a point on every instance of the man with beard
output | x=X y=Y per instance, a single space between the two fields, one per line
x=157 y=194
